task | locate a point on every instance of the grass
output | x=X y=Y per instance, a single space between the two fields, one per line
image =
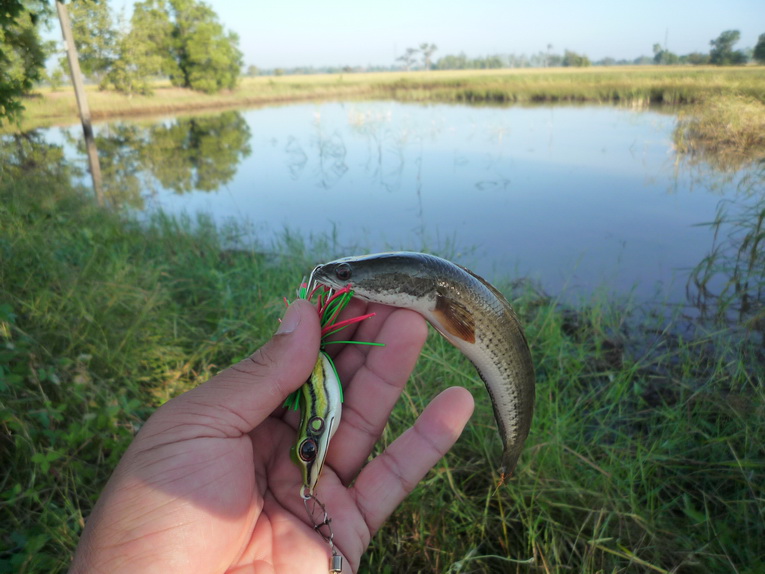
x=646 y=453
x=736 y=256
x=639 y=85
x=725 y=131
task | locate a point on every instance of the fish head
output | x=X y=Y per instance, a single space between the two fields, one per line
x=395 y=278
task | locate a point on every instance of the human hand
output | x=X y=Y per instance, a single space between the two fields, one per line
x=208 y=484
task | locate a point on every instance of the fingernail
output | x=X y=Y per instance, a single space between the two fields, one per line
x=289 y=322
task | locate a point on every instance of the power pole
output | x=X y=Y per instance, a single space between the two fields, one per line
x=82 y=100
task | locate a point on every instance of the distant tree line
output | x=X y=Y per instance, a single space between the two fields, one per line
x=496 y=61
x=722 y=53
x=409 y=57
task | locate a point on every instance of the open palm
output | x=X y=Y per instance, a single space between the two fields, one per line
x=208 y=484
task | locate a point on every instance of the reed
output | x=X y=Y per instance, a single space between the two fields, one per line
x=726 y=131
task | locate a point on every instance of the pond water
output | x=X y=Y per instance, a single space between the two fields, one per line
x=578 y=198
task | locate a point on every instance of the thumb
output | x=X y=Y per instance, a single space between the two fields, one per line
x=239 y=398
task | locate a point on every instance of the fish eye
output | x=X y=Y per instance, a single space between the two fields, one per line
x=343 y=272
x=307 y=450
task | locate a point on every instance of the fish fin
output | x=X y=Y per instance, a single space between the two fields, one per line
x=455 y=318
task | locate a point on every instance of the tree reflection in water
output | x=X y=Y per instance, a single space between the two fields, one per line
x=183 y=155
x=197 y=153
x=30 y=165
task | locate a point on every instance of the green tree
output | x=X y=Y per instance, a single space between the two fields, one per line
x=697 y=59
x=145 y=50
x=663 y=56
x=427 y=51
x=151 y=34
x=22 y=53
x=56 y=78
x=722 y=53
x=180 y=39
x=451 y=62
x=572 y=59
x=94 y=37
x=207 y=57
x=407 y=58
x=491 y=63
x=127 y=74
x=759 y=50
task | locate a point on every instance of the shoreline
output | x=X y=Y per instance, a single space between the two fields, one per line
x=633 y=85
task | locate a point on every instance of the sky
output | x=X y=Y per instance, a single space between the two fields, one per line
x=292 y=33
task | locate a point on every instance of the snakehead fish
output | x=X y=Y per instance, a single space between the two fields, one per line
x=468 y=311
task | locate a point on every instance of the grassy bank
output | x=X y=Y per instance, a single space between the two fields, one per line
x=628 y=85
x=646 y=453
x=724 y=131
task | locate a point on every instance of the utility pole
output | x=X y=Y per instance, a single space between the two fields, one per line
x=82 y=100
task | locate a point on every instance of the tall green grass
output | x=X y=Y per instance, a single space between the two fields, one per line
x=729 y=283
x=646 y=453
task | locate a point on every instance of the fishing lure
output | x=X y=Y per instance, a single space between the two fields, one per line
x=319 y=400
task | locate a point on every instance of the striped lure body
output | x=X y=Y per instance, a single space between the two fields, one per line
x=468 y=311
x=320 y=409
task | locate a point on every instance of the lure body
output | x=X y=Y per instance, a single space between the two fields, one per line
x=468 y=311
x=320 y=401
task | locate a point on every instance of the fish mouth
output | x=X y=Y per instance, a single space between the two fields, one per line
x=317 y=278
x=313 y=281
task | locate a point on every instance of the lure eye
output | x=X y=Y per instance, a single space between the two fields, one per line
x=343 y=272
x=307 y=450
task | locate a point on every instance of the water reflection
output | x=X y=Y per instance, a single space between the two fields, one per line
x=331 y=153
x=197 y=153
x=384 y=147
x=573 y=197
x=120 y=152
x=182 y=155
x=41 y=165
x=296 y=158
